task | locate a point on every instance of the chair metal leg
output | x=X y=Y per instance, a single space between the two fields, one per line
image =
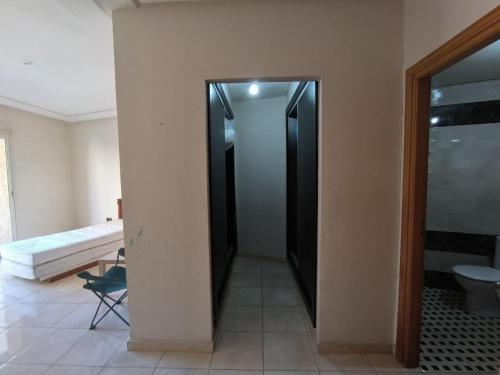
x=92 y=325
x=110 y=308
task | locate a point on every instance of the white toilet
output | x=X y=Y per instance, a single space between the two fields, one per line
x=480 y=284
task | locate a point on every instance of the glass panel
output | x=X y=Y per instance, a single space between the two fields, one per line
x=5 y=217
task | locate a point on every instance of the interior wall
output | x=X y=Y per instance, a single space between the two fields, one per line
x=164 y=54
x=430 y=23
x=260 y=158
x=96 y=170
x=41 y=171
x=464 y=169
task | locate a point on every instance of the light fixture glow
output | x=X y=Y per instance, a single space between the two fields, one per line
x=253 y=89
x=434 y=120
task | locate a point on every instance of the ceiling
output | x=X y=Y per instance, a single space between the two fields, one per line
x=482 y=66
x=57 y=59
x=238 y=92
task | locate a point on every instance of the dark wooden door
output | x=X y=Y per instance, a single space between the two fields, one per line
x=218 y=200
x=302 y=193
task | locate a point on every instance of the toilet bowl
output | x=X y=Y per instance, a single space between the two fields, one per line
x=481 y=289
x=480 y=284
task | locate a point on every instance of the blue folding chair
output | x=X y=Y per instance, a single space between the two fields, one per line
x=113 y=280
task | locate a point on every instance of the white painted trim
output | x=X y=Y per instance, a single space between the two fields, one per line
x=108 y=113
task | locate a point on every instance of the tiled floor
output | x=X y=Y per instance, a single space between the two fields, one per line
x=453 y=340
x=264 y=330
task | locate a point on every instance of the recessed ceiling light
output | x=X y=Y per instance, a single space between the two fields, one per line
x=253 y=89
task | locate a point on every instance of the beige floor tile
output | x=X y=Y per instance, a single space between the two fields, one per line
x=275 y=267
x=49 y=346
x=288 y=351
x=386 y=363
x=168 y=371
x=234 y=372
x=182 y=360
x=73 y=370
x=280 y=297
x=245 y=280
x=124 y=358
x=277 y=318
x=78 y=295
x=47 y=315
x=15 y=339
x=278 y=280
x=82 y=316
x=249 y=266
x=344 y=362
x=14 y=369
x=126 y=371
x=242 y=318
x=15 y=312
x=238 y=351
x=79 y=318
x=244 y=297
x=94 y=349
x=50 y=293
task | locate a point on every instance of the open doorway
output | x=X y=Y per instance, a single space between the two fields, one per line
x=7 y=222
x=460 y=306
x=263 y=160
x=452 y=340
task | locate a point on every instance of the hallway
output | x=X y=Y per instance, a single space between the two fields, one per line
x=265 y=326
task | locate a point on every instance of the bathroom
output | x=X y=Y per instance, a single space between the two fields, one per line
x=461 y=299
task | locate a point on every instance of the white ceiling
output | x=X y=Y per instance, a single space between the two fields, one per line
x=481 y=66
x=70 y=46
x=239 y=91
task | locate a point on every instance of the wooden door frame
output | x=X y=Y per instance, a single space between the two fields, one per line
x=416 y=135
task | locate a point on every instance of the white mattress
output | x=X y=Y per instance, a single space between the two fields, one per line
x=39 y=250
x=59 y=266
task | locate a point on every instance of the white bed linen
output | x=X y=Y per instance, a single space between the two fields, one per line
x=43 y=249
x=59 y=266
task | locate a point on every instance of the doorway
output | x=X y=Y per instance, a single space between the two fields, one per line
x=7 y=227
x=263 y=160
x=415 y=171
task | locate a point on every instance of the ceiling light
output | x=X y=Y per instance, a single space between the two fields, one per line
x=434 y=120
x=253 y=89
x=28 y=62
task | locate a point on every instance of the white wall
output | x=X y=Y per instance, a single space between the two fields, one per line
x=430 y=23
x=464 y=168
x=42 y=179
x=260 y=158
x=96 y=170
x=164 y=54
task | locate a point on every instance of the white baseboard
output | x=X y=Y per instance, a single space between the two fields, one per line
x=170 y=345
x=354 y=348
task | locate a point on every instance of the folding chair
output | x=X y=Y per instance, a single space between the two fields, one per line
x=113 y=280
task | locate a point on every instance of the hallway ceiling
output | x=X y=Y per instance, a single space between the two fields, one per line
x=239 y=91
x=57 y=58
x=482 y=66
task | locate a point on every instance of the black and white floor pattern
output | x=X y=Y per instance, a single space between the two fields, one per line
x=453 y=340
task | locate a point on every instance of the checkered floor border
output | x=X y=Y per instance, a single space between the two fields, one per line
x=452 y=340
